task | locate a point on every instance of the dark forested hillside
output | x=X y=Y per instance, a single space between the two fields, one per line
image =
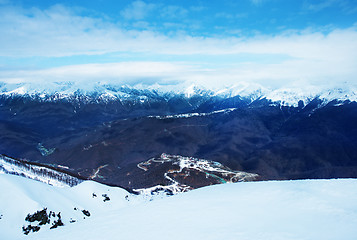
x=106 y=140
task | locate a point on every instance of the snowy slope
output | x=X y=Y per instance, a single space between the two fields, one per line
x=188 y=115
x=308 y=209
x=39 y=173
x=21 y=196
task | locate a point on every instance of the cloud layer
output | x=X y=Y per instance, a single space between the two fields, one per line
x=314 y=55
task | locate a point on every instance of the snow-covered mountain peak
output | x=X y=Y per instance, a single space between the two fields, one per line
x=190 y=91
x=243 y=89
x=341 y=93
x=287 y=95
x=290 y=96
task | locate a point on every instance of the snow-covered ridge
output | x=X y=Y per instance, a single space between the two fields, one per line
x=22 y=197
x=39 y=173
x=188 y=115
x=99 y=92
x=303 y=209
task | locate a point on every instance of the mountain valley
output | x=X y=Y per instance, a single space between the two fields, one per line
x=106 y=140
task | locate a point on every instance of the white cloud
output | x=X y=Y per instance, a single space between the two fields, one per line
x=137 y=10
x=320 y=6
x=124 y=72
x=258 y=2
x=173 y=12
x=298 y=71
x=311 y=55
x=197 y=8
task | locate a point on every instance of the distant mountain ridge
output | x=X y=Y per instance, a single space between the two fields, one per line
x=104 y=92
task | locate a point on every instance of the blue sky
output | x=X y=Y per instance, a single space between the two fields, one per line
x=213 y=17
x=272 y=42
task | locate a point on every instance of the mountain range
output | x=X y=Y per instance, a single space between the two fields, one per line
x=99 y=92
x=104 y=131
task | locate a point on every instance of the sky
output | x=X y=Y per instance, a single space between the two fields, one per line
x=211 y=43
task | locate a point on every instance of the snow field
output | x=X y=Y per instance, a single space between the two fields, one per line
x=304 y=209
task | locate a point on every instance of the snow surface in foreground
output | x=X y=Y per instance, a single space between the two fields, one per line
x=306 y=209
